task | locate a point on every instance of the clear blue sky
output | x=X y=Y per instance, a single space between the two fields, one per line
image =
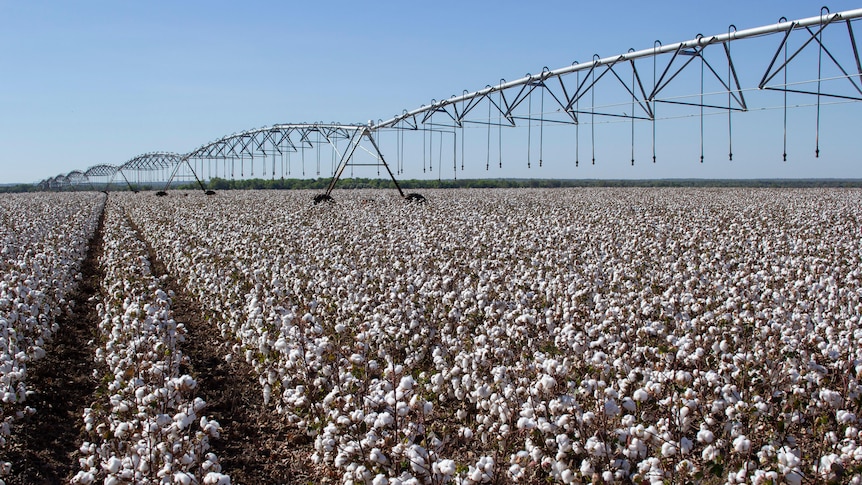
x=88 y=82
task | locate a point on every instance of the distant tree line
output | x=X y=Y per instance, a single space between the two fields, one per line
x=380 y=183
x=16 y=188
x=369 y=183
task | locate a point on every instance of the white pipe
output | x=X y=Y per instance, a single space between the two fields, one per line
x=662 y=49
x=283 y=126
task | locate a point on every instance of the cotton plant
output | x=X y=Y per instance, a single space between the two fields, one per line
x=44 y=239
x=574 y=335
x=146 y=424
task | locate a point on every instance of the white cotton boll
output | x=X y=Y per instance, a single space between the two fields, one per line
x=526 y=423
x=826 y=464
x=341 y=459
x=214 y=478
x=383 y=419
x=685 y=445
x=516 y=471
x=267 y=393
x=831 y=398
x=586 y=468
x=181 y=419
x=187 y=459
x=467 y=433
x=402 y=409
x=446 y=467
x=182 y=478
x=163 y=420
x=187 y=382
x=611 y=408
x=112 y=480
x=406 y=383
x=113 y=464
x=121 y=431
x=640 y=395
x=684 y=467
x=741 y=444
x=38 y=353
x=212 y=427
x=567 y=476
x=668 y=449
x=377 y=456
x=547 y=383
x=705 y=436
x=84 y=478
x=844 y=416
x=629 y=404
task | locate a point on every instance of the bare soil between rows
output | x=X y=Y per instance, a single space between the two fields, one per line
x=43 y=448
x=256 y=444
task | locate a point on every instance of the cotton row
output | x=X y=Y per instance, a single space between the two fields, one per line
x=146 y=424
x=44 y=238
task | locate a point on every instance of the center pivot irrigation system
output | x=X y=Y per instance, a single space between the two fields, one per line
x=814 y=58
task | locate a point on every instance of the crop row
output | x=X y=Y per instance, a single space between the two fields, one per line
x=577 y=335
x=43 y=241
x=146 y=424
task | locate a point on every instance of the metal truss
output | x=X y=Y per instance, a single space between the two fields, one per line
x=152 y=161
x=627 y=87
x=630 y=86
x=76 y=178
x=102 y=171
x=570 y=95
x=272 y=144
x=163 y=162
x=59 y=182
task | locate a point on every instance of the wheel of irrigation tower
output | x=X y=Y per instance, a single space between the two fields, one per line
x=323 y=198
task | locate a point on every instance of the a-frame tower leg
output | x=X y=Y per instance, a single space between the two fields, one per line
x=355 y=141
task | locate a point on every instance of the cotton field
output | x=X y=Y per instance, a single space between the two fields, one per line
x=488 y=336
